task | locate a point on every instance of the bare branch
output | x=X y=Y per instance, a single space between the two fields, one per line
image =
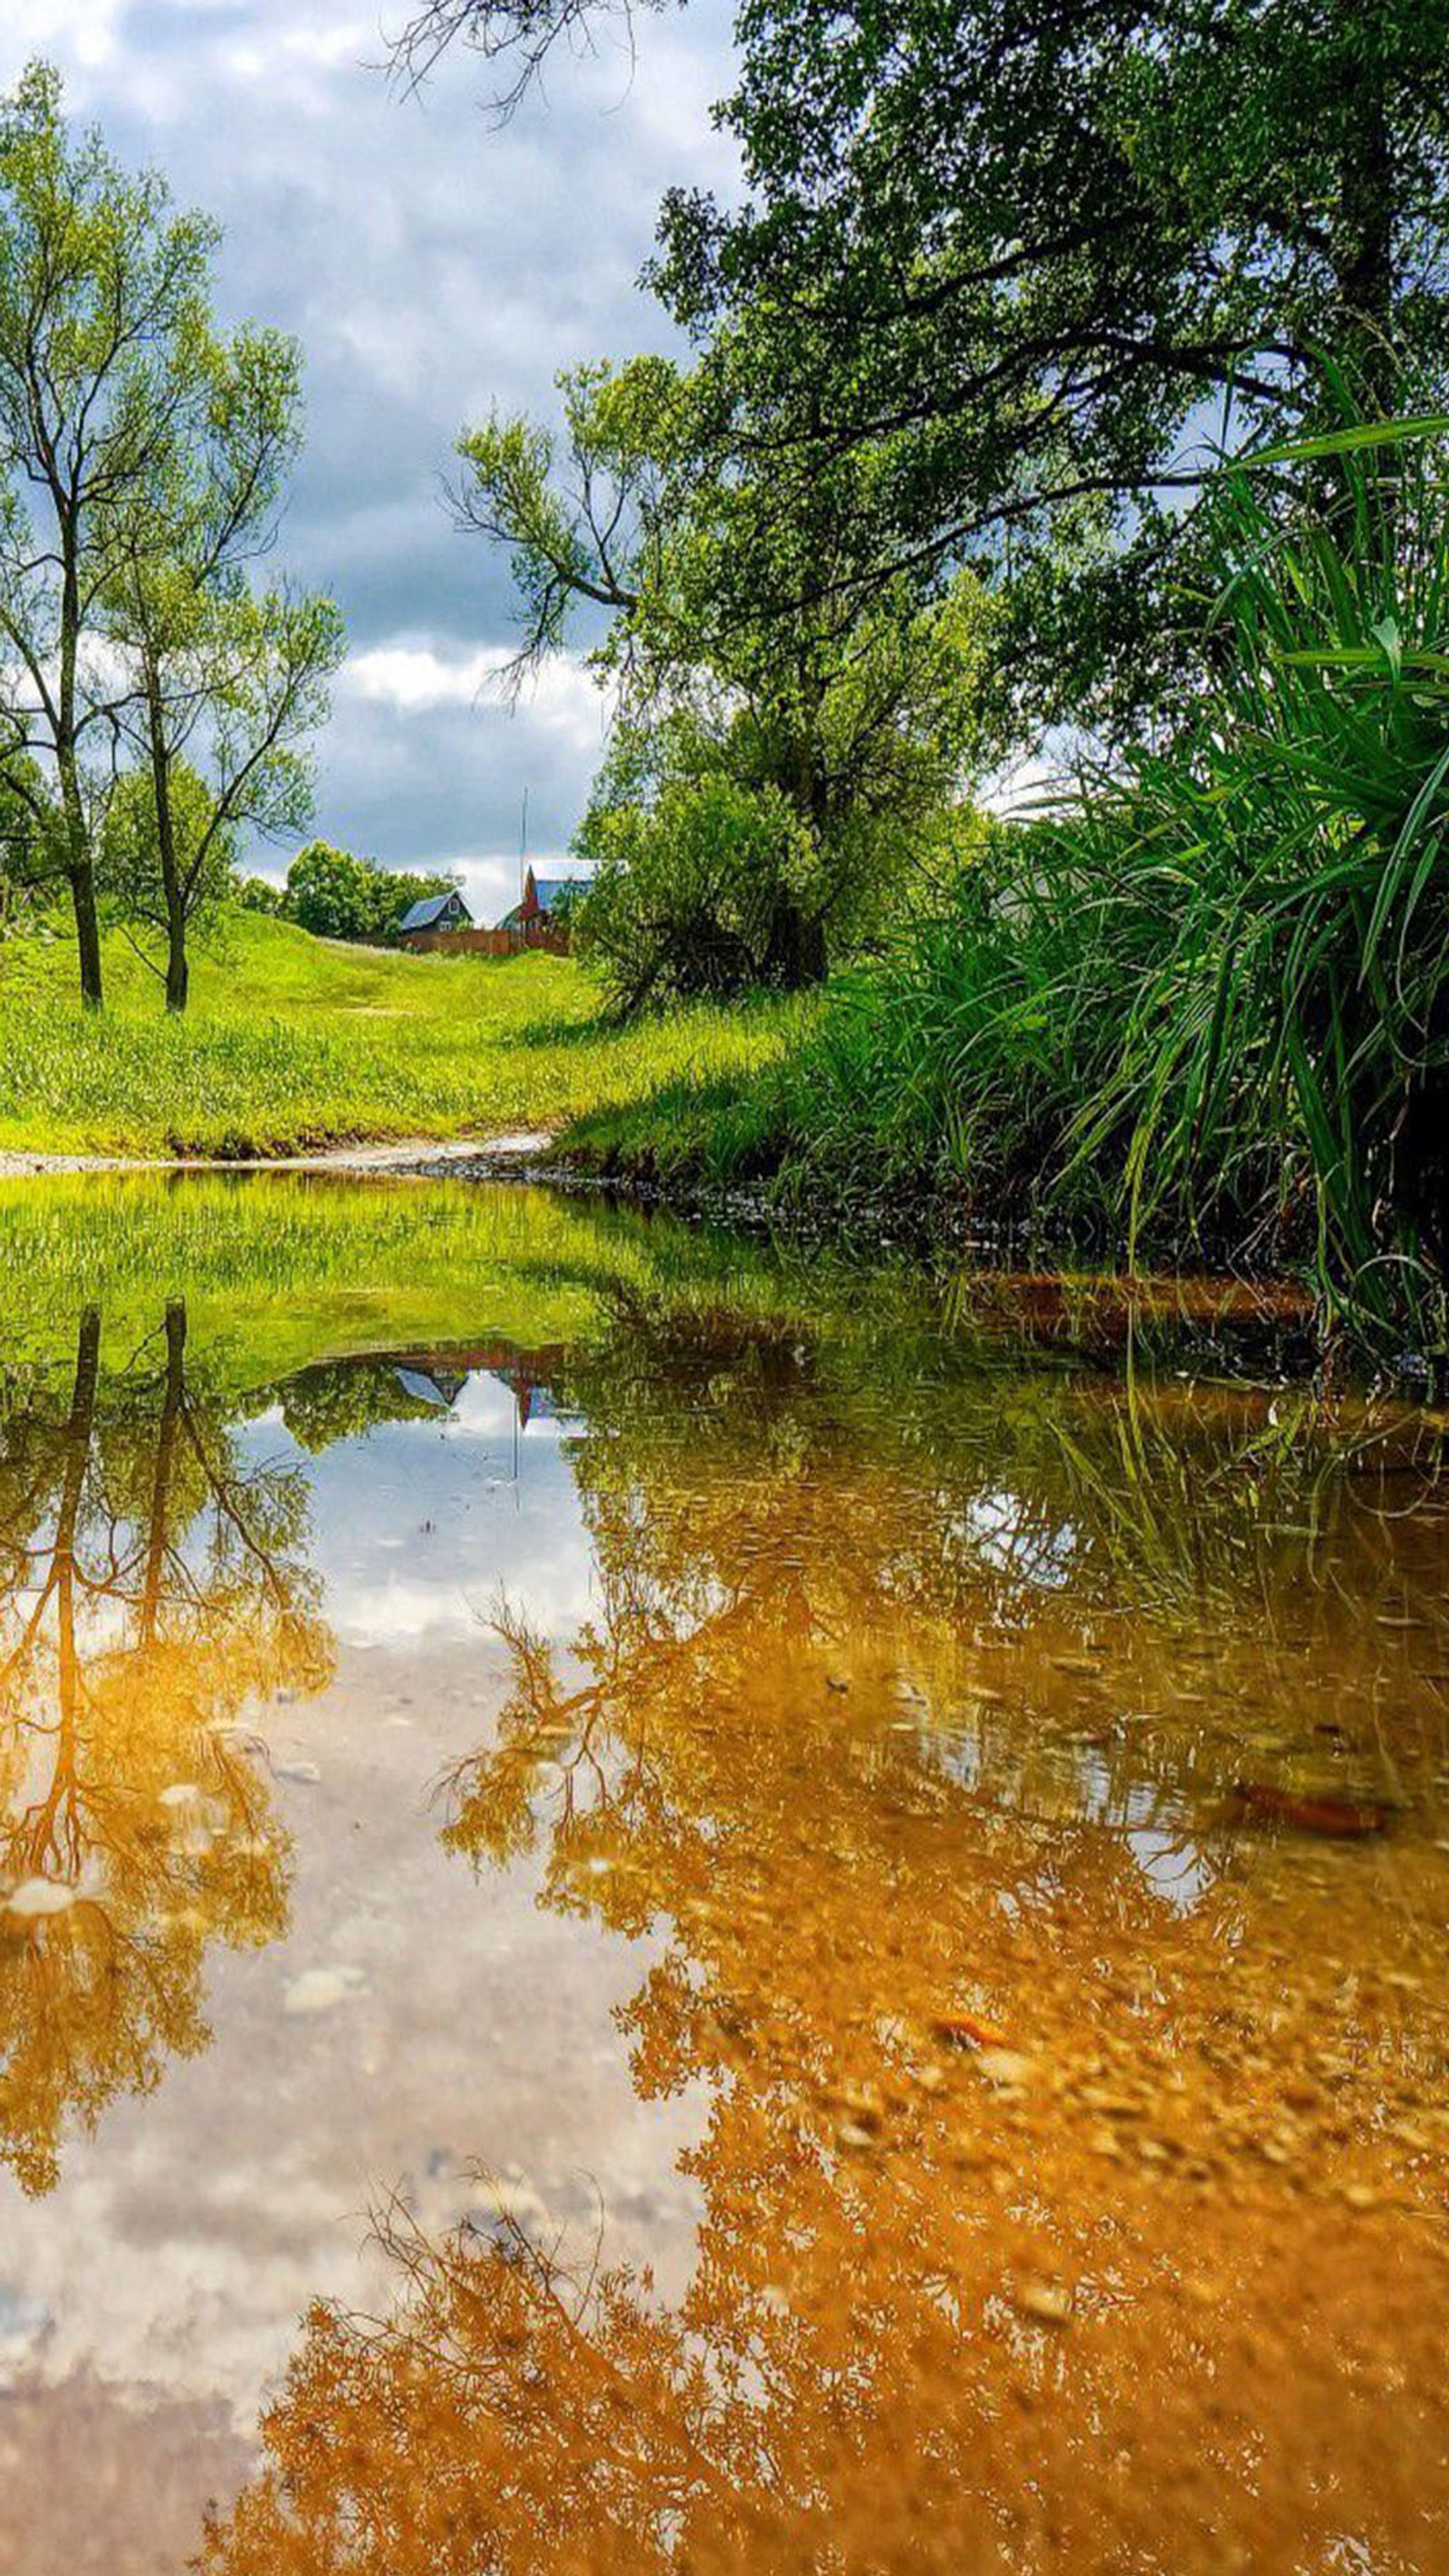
x=518 y=35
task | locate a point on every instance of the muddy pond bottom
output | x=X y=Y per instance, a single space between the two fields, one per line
x=668 y=1907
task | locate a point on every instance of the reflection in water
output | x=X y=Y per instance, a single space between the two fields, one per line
x=150 y=1586
x=1069 y=2150
x=1015 y=1796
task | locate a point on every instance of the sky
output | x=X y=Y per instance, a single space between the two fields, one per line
x=430 y=265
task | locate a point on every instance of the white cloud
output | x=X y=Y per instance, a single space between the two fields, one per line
x=413 y=678
x=342 y=47
x=82 y=30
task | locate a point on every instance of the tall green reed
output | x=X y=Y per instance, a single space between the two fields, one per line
x=1293 y=1029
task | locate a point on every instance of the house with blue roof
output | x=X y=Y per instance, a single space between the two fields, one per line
x=433 y=913
x=544 y=899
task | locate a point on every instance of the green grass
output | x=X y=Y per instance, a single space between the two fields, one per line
x=293 y=1042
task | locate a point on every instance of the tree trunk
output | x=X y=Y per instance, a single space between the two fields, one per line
x=80 y=866
x=796 y=954
x=88 y=933
x=81 y=874
x=79 y=1433
x=178 y=973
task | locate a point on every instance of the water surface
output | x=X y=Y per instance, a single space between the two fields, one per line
x=667 y=1907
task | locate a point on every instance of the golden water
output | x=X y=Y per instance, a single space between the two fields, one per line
x=664 y=1908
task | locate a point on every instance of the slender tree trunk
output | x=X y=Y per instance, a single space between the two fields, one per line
x=178 y=972
x=88 y=934
x=80 y=866
x=797 y=938
x=79 y=1434
x=81 y=874
x=796 y=954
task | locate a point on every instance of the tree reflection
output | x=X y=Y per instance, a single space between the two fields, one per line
x=153 y=1584
x=1057 y=2213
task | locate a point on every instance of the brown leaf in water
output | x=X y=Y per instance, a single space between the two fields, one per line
x=968 y=2030
x=1317 y=1812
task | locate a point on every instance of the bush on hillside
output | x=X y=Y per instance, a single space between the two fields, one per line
x=711 y=889
x=258 y=894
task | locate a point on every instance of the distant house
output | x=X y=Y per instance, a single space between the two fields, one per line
x=439 y=1388
x=542 y=898
x=434 y=913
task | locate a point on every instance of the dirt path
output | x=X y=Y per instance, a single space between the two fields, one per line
x=412 y=1155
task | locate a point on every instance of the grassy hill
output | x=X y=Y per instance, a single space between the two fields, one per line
x=295 y=1042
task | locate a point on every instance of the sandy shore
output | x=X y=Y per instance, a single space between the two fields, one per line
x=410 y=1155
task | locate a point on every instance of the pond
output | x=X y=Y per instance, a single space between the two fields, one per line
x=665 y=1905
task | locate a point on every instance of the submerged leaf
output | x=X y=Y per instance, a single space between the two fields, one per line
x=968 y=2030
x=1318 y=1812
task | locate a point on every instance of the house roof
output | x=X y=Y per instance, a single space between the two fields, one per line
x=422 y=915
x=548 y=889
x=436 y=1387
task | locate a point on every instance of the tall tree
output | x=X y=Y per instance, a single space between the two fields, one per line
x=1042 y=264
x=1038 y=263
x=101 y=305
x=851 y=722
x=223 y=685
x=229 y=688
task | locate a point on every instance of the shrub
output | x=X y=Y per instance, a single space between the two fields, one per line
x=706 y=891
x=258 y=894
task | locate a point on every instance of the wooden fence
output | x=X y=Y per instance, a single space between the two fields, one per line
x=551 y=937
